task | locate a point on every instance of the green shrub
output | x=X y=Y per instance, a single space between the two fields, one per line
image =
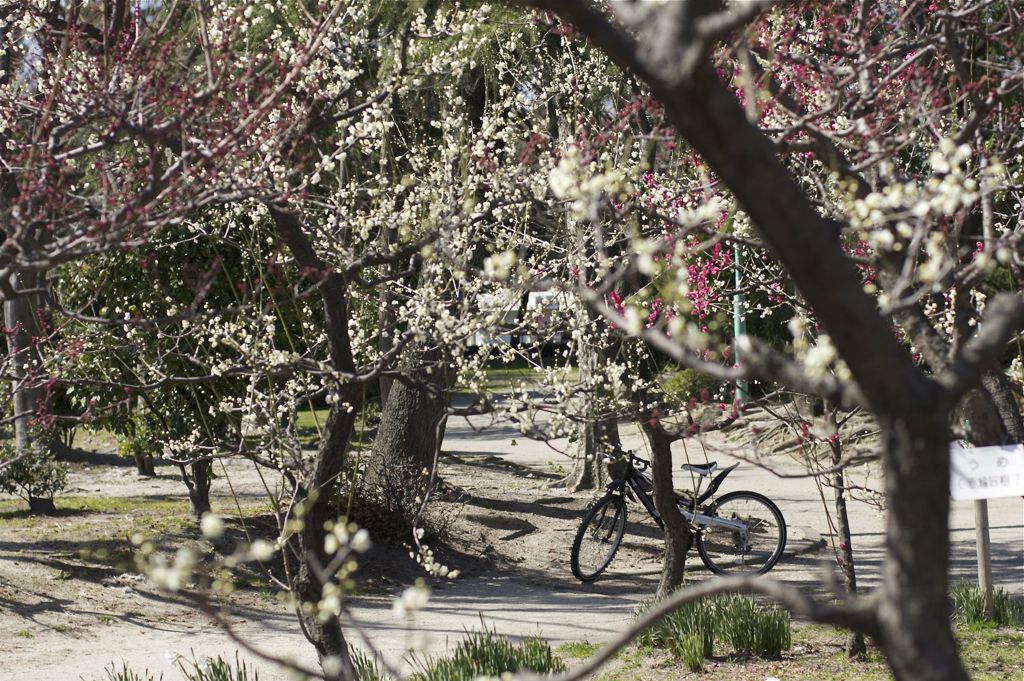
x=35 y=477
x=969 y=607
x=484 y=653
x=687 y=384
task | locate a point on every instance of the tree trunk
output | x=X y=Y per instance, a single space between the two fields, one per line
x=677 y=531
x=411 y=428
x=855 y=646
x=23 y=315
x=313 y=490
x=589 y=470
x=599 y=433
x=145 y=465
x=388 y=323
x=41 y=505
x=997 y=397
x=916 y=635
x=199 y=493
x=327 y=636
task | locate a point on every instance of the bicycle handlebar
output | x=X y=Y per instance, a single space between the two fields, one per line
x=644 y=464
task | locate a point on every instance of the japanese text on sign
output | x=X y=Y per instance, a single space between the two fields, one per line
x=986 y=472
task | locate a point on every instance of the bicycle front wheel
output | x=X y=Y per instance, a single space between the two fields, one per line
x=598 y=538
x=723 y=547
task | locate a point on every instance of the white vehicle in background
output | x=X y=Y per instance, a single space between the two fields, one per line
x=542 y=307
x=507 y=318
x=500 y=312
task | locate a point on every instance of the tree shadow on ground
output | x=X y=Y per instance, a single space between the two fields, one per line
x=491 y=461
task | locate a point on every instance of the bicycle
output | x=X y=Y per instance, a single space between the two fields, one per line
x=741 y=532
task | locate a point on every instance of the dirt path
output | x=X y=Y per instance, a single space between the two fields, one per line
x=62 y=618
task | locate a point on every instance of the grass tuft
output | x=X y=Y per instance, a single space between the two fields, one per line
x=485 y=653
x=126 y=673
x=748 y=628
x=969 y=607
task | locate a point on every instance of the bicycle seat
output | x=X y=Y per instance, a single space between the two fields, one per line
x=700 y=469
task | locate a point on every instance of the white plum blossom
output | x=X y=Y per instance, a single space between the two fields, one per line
x=412 y=600
x=211 y=525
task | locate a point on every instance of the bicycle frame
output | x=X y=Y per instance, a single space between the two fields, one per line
x=634 y=477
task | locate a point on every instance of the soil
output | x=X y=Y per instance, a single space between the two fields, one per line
x=72 y=601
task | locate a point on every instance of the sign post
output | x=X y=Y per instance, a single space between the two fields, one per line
x=983 y=473
x=984 y=550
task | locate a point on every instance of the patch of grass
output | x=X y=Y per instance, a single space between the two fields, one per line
x=13 y=514
x=106 y=619
x=691 y=650
x=992 y=654
x=196 y=669
x=24 y=633
x=577 y=650
x=309 y=424
x=62 y=628
x=989 y=654
x=674 y=631
x=311 y=419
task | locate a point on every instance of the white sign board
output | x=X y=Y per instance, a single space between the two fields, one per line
x=986 y=472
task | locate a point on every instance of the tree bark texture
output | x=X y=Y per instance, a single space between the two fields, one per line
x=855 y=645
x=24 y=315
x=678 y=536
x=314 y=488
x=598 y=434
x=410 y=433
x=913 y=606
x=145 y=465
x=589 y=470
x=198 y=484
x=327 y=636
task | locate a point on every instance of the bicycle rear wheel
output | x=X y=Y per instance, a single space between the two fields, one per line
x=724 y=550
x=598 y=538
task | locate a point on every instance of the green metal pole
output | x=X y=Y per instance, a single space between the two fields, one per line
x=739 y=320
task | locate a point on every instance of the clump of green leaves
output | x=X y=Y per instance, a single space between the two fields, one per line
x=695 y=619
x=969 y=607
x=753 y=629
x=485 y=653
x=367 y=668
x=747 y=627
x=688 y=384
